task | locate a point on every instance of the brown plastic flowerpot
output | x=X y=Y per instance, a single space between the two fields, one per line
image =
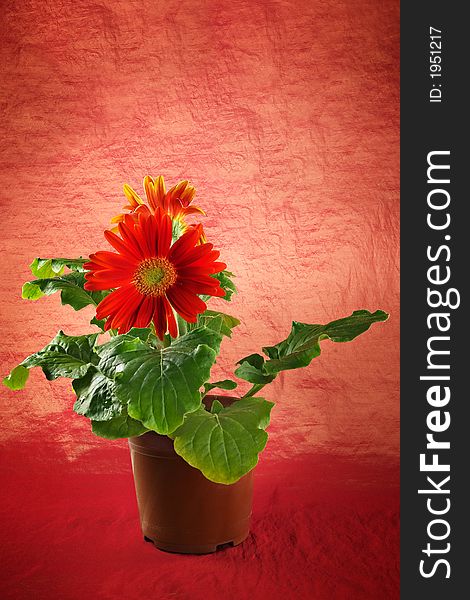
x=180 y=510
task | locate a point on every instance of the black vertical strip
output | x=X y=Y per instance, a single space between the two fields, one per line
x=426 y=127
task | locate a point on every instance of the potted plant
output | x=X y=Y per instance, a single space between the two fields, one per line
x=144 y=374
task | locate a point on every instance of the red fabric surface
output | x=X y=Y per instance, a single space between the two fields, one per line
x=284 y=115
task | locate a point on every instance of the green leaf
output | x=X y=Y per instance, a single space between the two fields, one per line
x=226 y=283
x=217 y=321
x=303 y=345
x=252 y=369
x=140 y=332
x=42 y=268
x=50 y=267
x=160 y=385
x=70 y=286
x=154 y=341
x=216 y=407
x=224 y=445
x=211 y=336
x=65 y=356
x=30 y=291
x=118 y=427
x=17 y=378
x=95 y=396
x=115 y=354
x=225 y=384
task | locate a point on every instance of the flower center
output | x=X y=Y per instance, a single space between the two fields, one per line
x=154 y=276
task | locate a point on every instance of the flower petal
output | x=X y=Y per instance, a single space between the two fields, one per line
x=130 y=234
x=178 y=189
x=186 y=304
x=149 y=187
x=192 y=210
x=121 y=317
x=201 y=252
x=104 y=258
x=200 y=288
x=184 y=244
x=160 y=189
x=120 y=245
x=109 y=304
x=160 y=317
x=188 y=195
x=134 y=199
x=114 y=277
x=96 y=286
x=164 y=233
x=145 y=312
x=172 y=326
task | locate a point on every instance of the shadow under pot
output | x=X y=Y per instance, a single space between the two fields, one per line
x=180 y=510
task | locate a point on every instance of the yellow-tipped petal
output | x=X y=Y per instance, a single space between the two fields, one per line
x=160 y=189
x=188 y=195
x=202 y=238
x=133 y=198
x=191 y=210
x=117 y=219
x=178 y=189
x=149 y=186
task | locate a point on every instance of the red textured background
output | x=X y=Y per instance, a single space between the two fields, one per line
x=284 y=115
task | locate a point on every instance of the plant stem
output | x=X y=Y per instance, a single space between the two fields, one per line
x=254 y=390
x=182 y=326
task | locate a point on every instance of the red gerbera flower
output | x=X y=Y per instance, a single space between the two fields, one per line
x=152 y=276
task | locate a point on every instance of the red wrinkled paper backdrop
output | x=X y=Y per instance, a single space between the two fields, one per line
x=285 y=117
